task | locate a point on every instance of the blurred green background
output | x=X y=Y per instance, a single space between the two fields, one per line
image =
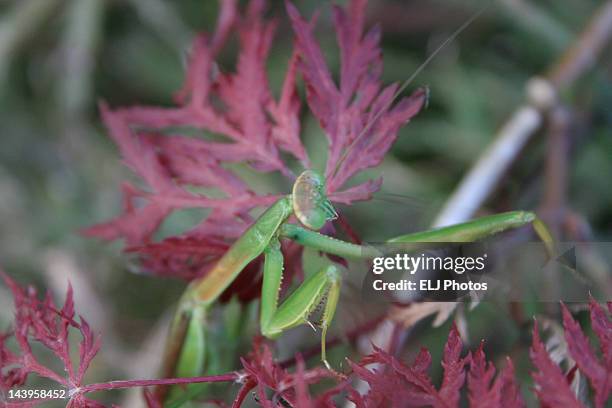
x=59 y=171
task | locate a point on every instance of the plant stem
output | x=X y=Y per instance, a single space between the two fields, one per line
x=112 y=385
x=485 y=174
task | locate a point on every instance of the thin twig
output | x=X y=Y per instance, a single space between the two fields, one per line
x=484 y=175
x=583 y=54
x=553 y=204
x=490 y=167
x=113 y=385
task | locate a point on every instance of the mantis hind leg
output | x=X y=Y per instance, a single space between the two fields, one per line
x=319 y=293
x=192 y=358
x=481 y=228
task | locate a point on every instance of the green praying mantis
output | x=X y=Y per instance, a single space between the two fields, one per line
x=188 y=349
x=319 y=291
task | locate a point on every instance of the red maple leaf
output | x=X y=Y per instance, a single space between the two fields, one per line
x=265 y=374
x=484 y=391
x=391 y=382
x=598 y=372
x=357 y=115
x=397 y=384
x=41 y=321
x=553 y=388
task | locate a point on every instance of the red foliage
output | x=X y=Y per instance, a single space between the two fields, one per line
x=357 y=116
x=485 y=392
x=598 y=373
x=264 y=373
x=41 y=321
x=396 y=384
x=553 y=388
x=391 y=381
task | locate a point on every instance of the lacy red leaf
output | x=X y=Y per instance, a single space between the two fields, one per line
x=484 y=391
x=41 y=321
x=598 y=372
x=358 y=118
x=552 y=388
x=397 y=384
x=264 y=373
x=357 y=115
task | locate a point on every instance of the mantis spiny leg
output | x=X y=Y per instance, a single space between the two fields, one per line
x=322 y=287
x=272 y=280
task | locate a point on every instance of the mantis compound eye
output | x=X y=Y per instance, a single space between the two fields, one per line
x=310 y=204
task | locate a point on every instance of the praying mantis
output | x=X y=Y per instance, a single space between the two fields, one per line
x=188 y=347
x=311 y=207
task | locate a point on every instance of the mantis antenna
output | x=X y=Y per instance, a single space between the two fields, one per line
x=408 y=81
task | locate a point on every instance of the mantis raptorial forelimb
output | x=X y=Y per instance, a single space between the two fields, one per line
x=185 y=353
x=321 y=288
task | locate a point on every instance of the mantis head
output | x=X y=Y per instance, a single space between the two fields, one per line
x=310 y=204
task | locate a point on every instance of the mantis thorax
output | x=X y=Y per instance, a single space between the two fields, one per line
x=310 y=204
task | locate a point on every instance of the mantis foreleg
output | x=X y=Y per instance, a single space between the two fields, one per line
x=320 y=288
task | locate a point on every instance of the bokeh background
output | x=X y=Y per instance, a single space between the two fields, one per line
x=59 y=172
